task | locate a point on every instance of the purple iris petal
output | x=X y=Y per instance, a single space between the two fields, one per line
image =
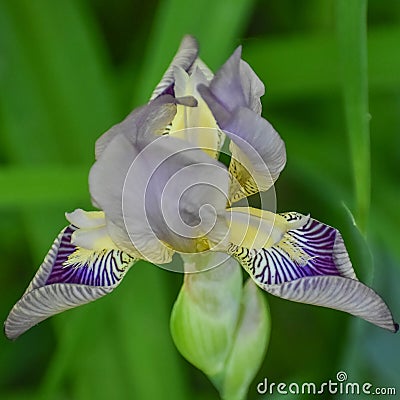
x=57 y=287
x=103 y=270
x=275 y=265
x=233 y=96
x=311 y=265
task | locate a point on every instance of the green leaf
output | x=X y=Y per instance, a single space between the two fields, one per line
x=351 y=18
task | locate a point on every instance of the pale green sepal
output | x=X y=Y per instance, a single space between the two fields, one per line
x=249 y=346
x=205 y=315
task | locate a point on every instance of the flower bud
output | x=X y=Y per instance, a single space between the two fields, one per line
x=205 y=314
x=249 y=345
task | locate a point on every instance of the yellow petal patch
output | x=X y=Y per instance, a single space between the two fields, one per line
x=195 y=124
x=95 y=239
x=86 y=219
x=253 y=228
x=242 y=183
x=92 y=234
x=246 y=178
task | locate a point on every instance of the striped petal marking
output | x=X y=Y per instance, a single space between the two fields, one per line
x=69 y=276
x=311 y=265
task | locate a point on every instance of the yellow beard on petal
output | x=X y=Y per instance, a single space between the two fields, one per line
x=88 y=258
x=292 y=248
x=202 y=244
x=83 y=257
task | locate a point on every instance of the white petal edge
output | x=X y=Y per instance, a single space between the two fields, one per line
x=41 y=301
x=338 y=293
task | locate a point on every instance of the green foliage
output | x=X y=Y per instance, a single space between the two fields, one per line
x=72 y=68
x=352 y=38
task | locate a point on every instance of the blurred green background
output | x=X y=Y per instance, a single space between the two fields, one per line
x=69 y=69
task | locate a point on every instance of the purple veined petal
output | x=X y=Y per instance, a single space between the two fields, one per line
x=311 y=265
x=95 y=239
x=68 y=277
x=184 y=58
x=311 y=250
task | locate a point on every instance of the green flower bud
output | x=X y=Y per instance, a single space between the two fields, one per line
x=205 y=314
x=249 y=346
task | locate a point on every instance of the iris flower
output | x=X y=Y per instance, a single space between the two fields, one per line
x=162 y=191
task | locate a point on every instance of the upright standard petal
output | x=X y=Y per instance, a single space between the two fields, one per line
x=69 y=277
x=258 y=152
x=236 y=85
x=184 y=58
x=310 y=264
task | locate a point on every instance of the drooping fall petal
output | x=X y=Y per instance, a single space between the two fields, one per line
x=310 y=264
x=69 y=277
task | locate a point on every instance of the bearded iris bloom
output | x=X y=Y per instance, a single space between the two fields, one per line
x=162 y=191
